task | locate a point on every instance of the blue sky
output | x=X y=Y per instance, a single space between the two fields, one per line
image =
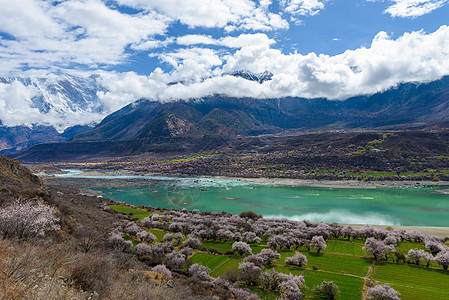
x=337 y=27
x=314 y=48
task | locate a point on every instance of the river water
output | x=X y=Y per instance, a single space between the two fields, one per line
x=386 y=206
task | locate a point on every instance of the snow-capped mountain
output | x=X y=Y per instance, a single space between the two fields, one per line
x=34 y=109
x=61 y=93
x=260 y=78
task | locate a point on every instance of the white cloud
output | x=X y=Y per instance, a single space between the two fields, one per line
x=415 y=56
x=299 y=8
x=240 y=41
x=71 y=32
x=412 y=8
x=229 y=14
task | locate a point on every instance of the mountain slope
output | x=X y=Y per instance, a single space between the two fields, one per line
x=210 y=122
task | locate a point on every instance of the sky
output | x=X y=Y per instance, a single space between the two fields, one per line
x=314 y=48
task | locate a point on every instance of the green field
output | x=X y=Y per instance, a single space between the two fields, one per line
x=218 y=264
x=344 y=247
x=224 y=246
x=350 y=287
x=136 y=213
x=409 y=293
x=412 y=276
x=342 y=264
x=159 y=234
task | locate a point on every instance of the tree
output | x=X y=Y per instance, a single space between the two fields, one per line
x=24 y=218
x=382 y=292
x=442 y=258
x=434 y=247
x=199 y=271
x=326 y=290
x=143 y=249
x=291 y=288
x=146 y=236
x=251 y=237
x=298 y=259
x=176 y=260
x=268 y=256
x=192 y=242
x=318 y=243
x=162 y=269
x=271 y=280
x=249 y=214
x=377 y=248
x=249 y=273
x=242 y=248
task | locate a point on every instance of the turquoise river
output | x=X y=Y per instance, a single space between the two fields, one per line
x=385 y=206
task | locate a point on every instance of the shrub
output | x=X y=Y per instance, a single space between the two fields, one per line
x=326 y=290
x=248 y=214
x=199 y=271
x=162 y=269
x=232 y=275
x=298 y=259
x=143 y=249
x=90 y=272
x=215 y=251
x=250 y=273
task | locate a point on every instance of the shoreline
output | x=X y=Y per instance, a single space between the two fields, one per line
x=339 y=184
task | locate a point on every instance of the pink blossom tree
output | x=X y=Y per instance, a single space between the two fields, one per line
x=318 y=243
x=382 y=292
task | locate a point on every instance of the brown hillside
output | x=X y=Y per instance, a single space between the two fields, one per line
x=12 y=172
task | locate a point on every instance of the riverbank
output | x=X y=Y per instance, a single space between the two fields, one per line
x=338 y=184
x=341 y=184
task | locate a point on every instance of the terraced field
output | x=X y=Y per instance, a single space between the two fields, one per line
x=344 y=262
x=414 y=282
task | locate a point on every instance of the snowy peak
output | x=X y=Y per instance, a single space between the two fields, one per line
x=260 y=78
x=61 y=93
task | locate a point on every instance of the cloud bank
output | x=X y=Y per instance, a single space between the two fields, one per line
x=196 y=43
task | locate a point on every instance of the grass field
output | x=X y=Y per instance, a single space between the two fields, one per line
x=159 y=234
x=404 y=247
x=344 y=264
x=224 y=246
x=344 y=247
x=350 y=287
x=218 y=264
x=136 y=213
x=412 y=276
x=409 y=293
x=209 y=260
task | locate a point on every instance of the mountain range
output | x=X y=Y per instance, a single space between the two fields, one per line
x=59 y=94
x=207 y=123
